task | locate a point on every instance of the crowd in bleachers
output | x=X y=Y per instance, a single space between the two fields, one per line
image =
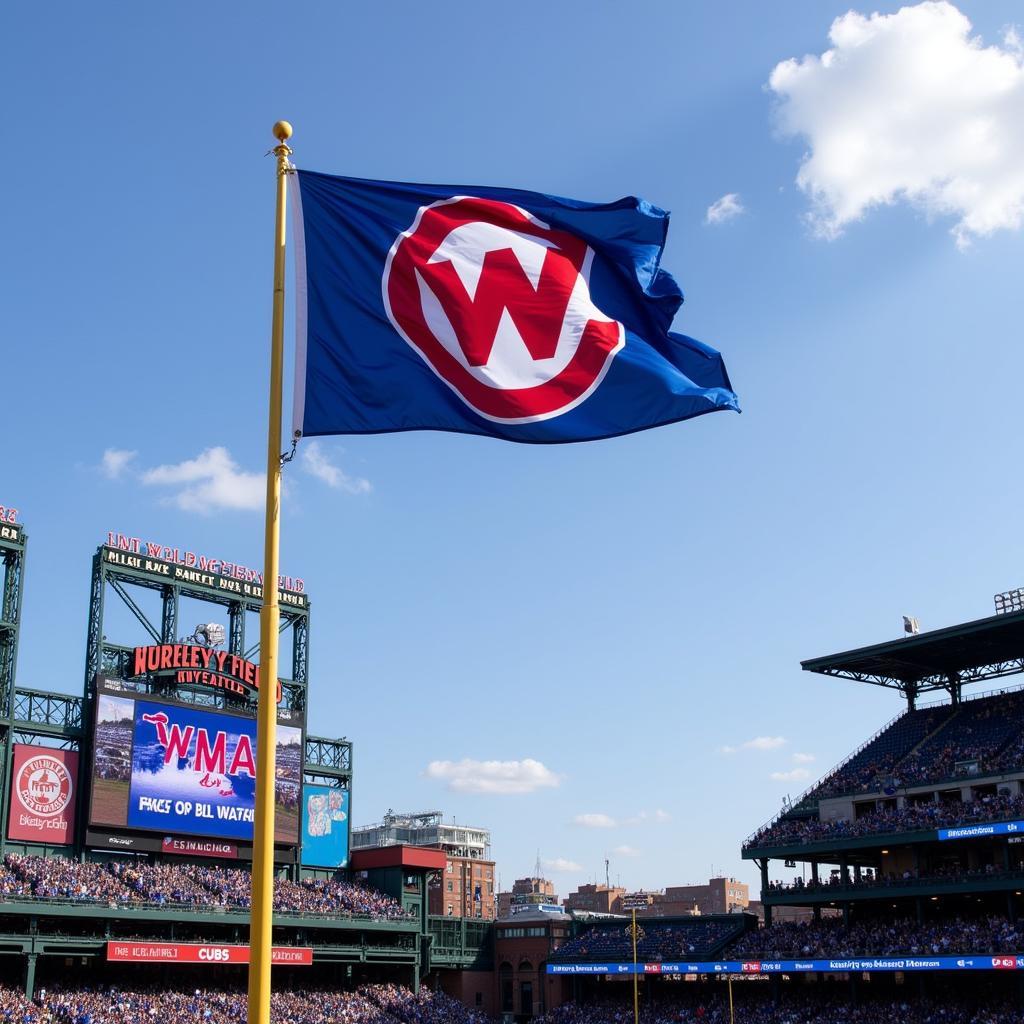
x=909 y=818
x=881 y=937
x=655 y=941
x=982 y=736
x=138 y=882
x=372 y=1004
x=820 y=1005
x=871 y=879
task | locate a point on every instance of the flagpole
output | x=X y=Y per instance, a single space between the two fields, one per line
x=261 y=915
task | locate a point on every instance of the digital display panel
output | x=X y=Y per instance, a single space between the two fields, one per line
x=324 y=826
x=175 y=768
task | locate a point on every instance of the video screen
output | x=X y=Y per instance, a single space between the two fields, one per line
x=177 y=768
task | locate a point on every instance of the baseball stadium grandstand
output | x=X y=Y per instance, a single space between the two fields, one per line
x=128 y=810
x=127 y=838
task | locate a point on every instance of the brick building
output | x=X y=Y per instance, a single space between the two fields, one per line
x=526 y=892
x=466 y=886
x=598 y=899
x=720 y=895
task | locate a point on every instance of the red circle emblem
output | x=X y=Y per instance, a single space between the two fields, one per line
x=44 y=786
x=498 y=305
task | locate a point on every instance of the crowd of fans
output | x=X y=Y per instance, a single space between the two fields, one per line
x=871 y=879
x=909 y=818
x=127 y=882
x=829 y=939
x=821 y=1005
x=372 y=1004
x=655 y=942
x=982 y=736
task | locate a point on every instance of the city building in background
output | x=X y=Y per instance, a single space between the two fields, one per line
x=720 y=895
x=596 y=898
x=466 y=889
x=526 y=894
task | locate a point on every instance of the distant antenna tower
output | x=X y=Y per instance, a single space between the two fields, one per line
x=536 y=867
x=607 y=877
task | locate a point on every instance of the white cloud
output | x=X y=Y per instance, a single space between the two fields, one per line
x=115 y=461
x=726 y=208
x=316 y=462
x=727 y=750
x=595 y=820
x=795 y=775
x=212 y=480
x=765 y=743
x=660 y=815
x=495 y=777
x=562 y=864
x=626 y=851
x=804 y=758
x=909 y=107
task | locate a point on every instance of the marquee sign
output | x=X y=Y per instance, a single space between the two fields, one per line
x=188 y=568
x=9 y=526
x=194 y=665
x=43 y=795
x=964 y=962
x=203 y=953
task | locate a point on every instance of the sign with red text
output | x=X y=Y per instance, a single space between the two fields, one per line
x=203 y=953
x=195 y=665
x=43 y=785
x=197 y=572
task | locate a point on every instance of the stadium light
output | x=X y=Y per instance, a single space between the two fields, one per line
x=1010 y=601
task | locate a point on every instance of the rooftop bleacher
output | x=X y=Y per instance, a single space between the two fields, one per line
x=659 y=940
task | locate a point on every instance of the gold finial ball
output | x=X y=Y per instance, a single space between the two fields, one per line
x=282 y=131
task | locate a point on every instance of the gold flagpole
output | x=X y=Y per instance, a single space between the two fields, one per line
x=261 y=915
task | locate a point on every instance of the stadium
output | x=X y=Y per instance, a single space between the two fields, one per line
x=127 y=838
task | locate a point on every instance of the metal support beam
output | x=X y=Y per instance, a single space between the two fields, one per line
x=118 y=587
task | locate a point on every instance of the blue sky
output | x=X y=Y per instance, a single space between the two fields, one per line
x=619 y=611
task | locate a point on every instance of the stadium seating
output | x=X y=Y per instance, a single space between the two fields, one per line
x=371 y=1004
x=912 y=818
x=926 y=745
x=137 y=882
x=882 y=937
x=658 y=941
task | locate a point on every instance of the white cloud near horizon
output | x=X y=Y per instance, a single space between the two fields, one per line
x=909 y=107
x=757 y=743
x=804 y=758
x=794 y=775
x=726 y=208
x=210 y=481
x=602 y=820
x=562 y=864
x=317 y=463
x=595 y=820
x=498 y=778
x=625 y=850
x=115 y=461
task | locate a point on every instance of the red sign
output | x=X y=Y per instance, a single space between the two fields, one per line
x=203 y=953
x=498 y=305
x=200 y=847
x=43 y=795
x=195 y=665
x=192 y=560
x=8 y=515
x=751 y=968
x=652 y=968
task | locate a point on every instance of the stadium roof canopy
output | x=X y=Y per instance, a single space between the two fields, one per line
x=942 y=659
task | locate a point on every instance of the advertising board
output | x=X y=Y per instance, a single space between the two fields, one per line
x=44 y=785
x=324 y=826
x=203 y=953
x=178 y=769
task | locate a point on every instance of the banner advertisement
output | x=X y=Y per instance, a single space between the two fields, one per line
x=324 y=827
x=203 y=953
x=1000 y=828
x=43 y=791
x=966 y=962
x=179 y=769
x=199 y=848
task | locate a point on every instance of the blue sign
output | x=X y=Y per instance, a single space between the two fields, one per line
x=324 y=827
x=193 y=772
x=966 y=962
x=1001 y=828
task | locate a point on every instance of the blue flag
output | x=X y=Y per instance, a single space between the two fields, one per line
x=488 y=311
